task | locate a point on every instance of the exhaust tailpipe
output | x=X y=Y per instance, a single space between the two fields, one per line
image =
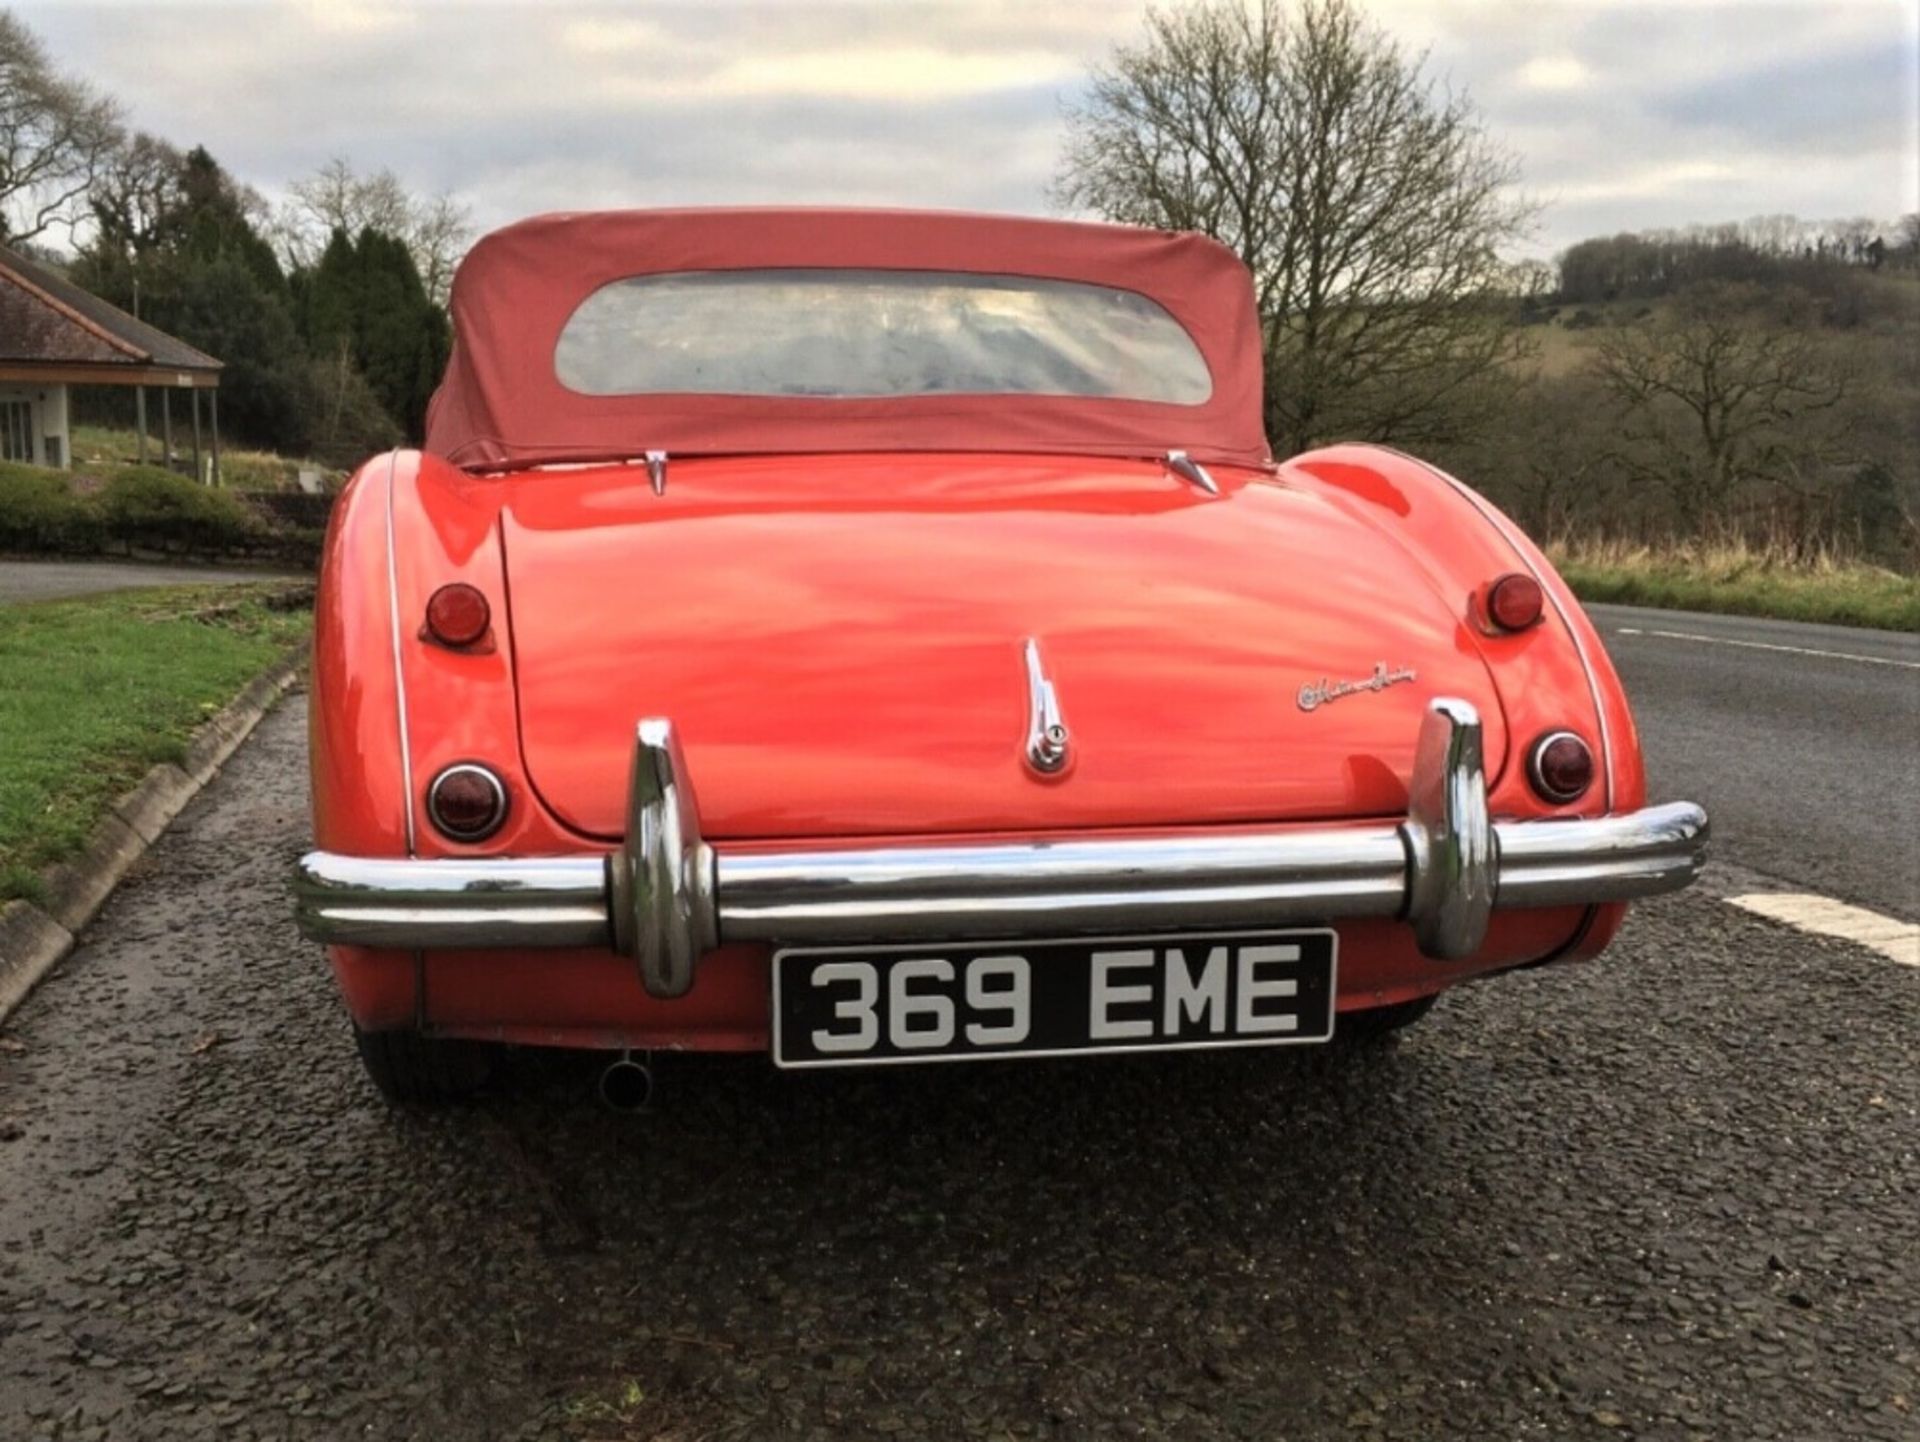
x=627 y=1085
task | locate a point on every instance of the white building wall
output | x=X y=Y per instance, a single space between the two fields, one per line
x=52 y=438
x=56 y=439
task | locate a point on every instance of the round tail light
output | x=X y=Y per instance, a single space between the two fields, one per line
x=1514 y=602
x=1561 y=767
x=458 y=614
x=467 y=802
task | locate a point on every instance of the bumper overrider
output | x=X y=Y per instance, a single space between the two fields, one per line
x=667 y=896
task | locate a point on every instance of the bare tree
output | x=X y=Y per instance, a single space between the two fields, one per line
x=1367 y=201
x=136 y=193
x=1729 y=395
x=1906 y=242
x=335 y=198
x=442 y=231
x=55 y=133
x=436 y=229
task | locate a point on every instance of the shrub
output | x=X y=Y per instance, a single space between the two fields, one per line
x=155 y=509
x=39 y=512
x=294 y=510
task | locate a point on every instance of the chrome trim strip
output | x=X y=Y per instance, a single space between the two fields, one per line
x=1067 y=885
x=528 y=901
x=1492 y=517
x=667 y=897
x=1190 y=470
x=938 y=891
x=399 y=670
x=657 y=471
x=1048 y=744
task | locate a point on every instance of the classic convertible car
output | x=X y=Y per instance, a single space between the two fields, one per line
x=881 y=637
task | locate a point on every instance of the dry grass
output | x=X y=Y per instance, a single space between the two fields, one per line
x=1742 y=579
x=96 y=448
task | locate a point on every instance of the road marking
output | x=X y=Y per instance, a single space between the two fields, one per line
x=1768 y=646
x=1894 y=939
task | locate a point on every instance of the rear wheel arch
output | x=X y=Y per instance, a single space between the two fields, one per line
x=1464 y=540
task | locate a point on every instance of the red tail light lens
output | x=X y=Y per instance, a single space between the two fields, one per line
x=1514 y=602
x=467 y=802
x=1561 y=767
x=458 y=615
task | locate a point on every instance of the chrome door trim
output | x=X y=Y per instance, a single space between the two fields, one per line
x=399 y=668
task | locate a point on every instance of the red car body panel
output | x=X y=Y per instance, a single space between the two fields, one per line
x=842 y=651
x=743 y=602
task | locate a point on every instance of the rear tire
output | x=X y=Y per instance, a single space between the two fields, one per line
x=1378 y=1024
x=415 y=1070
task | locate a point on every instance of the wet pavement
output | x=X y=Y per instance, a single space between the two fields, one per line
x=1667 y=1195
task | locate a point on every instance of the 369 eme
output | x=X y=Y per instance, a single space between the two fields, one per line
x=1132 y=993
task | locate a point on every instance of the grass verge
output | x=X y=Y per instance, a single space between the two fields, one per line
x=1741 y=581
x=96 y=691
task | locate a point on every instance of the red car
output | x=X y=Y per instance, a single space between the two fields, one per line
x=879 y=637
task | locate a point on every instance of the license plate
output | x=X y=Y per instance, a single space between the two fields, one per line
x=887 y=1005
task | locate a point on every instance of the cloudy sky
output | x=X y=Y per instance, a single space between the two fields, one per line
x=1623 y=115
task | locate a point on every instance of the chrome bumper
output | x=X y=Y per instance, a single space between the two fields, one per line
x=667 y=896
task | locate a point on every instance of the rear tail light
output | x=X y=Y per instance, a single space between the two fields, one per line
x=458 y=614
x=1561 y=767
x=467 y=802
x=1514 y=602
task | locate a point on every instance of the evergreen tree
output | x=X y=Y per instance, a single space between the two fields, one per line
x=365 y=297
x=177 y=243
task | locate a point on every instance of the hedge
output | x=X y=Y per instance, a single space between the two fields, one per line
x=137 y=509
x=39 y=512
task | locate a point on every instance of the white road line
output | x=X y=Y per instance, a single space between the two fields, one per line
x=1768 y=646
x=1894 y=939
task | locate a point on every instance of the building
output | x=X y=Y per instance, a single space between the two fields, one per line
x=54 y=335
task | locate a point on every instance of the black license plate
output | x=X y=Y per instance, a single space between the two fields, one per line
x=884 y=1005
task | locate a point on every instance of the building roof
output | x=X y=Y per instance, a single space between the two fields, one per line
x=46 y=319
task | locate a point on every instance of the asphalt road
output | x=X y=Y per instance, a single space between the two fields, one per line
x=1670 y=1195
x=50 y=580
x=1803 y=742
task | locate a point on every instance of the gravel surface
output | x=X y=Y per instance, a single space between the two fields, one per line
x=49 y=580
x=1668 y=1195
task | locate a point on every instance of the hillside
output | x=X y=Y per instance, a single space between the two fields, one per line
x=1705 y=395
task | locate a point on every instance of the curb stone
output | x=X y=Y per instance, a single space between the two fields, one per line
x=78 y=888
x=30 y=943
x=34 y=939
x=151 y=806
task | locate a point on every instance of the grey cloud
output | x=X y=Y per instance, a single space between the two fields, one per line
x=1863 y=93
x=1797 y=106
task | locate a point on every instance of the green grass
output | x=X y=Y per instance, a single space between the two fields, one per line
x=96 y=691
x=1743 y=581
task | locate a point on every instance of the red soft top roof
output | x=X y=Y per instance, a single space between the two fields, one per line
x=501 y=405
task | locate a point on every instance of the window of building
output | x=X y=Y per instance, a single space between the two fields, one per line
x=16 y=431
